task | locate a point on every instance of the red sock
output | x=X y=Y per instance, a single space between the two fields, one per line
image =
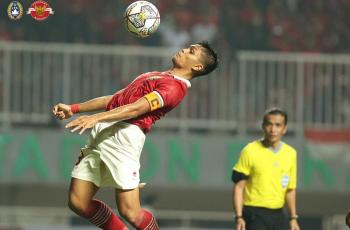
x=146 y=221
x=103 y=217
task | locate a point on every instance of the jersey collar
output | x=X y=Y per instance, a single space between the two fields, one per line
x=277 y=149
x=187 y=82
x=274 y=150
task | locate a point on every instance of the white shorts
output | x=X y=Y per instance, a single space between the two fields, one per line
x=111 y=157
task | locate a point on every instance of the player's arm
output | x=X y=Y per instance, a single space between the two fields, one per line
x=290 y=196
x=143 y=105
x=149 y=102
x=237 y=198
x=240 y=180
x=240 y=175
x=95 y=104
x=291 y=204
x=126 y=112
x=65 y=111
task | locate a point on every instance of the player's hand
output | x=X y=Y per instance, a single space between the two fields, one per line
x=82 y=123
x=294 y=225
x=62 y=111
x=240 y=224
x=347 y=219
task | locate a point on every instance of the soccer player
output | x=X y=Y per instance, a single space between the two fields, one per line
x=111 y=156
x=265 y=178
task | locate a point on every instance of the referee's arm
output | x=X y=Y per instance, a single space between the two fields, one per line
x=291 y=202
x=237 y=192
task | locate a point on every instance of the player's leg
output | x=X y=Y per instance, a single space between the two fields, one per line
x=81 y=201
x=257 y=223
x=280 y=221
x=129 y=207
x=80 y=195
x=255 y=219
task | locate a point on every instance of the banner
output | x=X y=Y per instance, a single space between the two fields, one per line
x=46 y=156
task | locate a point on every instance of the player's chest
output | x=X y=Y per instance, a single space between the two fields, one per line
x=271 y=163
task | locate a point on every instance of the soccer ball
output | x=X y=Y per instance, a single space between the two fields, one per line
x=141 y=18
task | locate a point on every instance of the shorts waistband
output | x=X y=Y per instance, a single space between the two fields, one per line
x=272 y=210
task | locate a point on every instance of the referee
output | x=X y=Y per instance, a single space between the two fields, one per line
x=265 y=178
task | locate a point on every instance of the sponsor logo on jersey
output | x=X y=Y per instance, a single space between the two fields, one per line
x=15 y=10
x=40 y=10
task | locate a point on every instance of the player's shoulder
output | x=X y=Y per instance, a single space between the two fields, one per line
x=156 y=76
x=182 y=81
x=289 y=148
x=175 y=82
x=252 y=146
x=147 y=75
x=166 y=81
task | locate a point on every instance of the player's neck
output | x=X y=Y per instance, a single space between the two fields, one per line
x=270 y=144
x=180 y=73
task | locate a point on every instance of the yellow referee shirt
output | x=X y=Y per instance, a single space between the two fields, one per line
x=269 y=173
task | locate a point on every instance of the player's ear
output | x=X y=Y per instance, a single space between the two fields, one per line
x=285 y=129
x=197 y=67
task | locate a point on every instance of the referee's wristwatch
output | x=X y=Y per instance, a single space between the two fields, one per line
x=294 y=217
x=238 y=217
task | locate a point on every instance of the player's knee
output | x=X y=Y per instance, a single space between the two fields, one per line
x=73 y=202
x=77 y=205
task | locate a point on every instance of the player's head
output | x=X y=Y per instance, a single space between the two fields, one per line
x=200 y=58
x=274 y=124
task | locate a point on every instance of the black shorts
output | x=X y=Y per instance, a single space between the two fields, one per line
x=258 y=218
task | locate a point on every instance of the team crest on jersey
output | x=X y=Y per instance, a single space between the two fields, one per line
x=15 y=10
x=40 y=10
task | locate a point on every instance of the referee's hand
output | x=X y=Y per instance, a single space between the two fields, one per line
x=294 y=225
x=240 y=224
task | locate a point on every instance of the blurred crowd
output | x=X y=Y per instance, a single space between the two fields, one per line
x=283 y=25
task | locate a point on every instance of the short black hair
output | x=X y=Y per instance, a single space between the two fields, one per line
x=275 y=111
x=211 y=59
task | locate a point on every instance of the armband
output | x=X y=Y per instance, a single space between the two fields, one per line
x=238 y=176
x=155 y=100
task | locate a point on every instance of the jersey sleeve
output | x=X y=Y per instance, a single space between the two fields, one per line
x=171 y=93
x=155 y=100
x=293 y=174
x=244 y=162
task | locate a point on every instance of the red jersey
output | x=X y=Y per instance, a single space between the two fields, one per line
x=170 y=88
